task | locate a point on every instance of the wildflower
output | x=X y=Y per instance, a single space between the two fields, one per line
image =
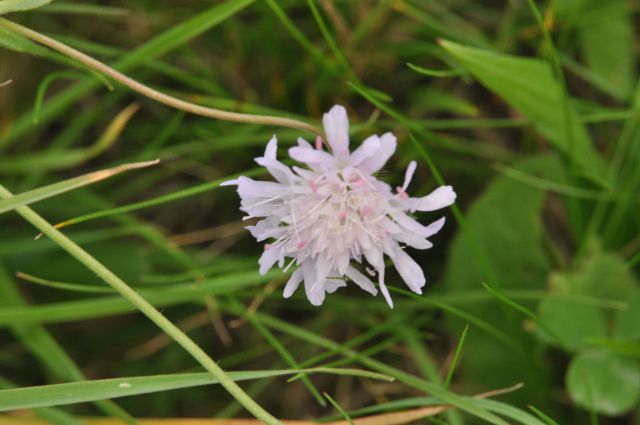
x=334 y=213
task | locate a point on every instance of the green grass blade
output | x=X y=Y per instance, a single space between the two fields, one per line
x=169 y=40
x=8 y=6
x=170 y=197
x=81 y=392
x=39 y=194
x=104 y=306
x=40 y=342
x=456 y=357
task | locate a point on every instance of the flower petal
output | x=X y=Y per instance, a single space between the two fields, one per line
x=408 y=175
x=277 y=169
x=410 y=224
x=336 y=127
x=304 y=144
x=439 y=198
x=409 y=270
x=314 y=289
x=332 y=285
x=361 y=280
x=368 y=148
x=434 y=227
x=269 y=258
x=311 y=156
x=293 y=283
x=272 y=147
x=388 y=144
x=249 y=188
x=266 y=228
x=413 y=240
x=383 y=289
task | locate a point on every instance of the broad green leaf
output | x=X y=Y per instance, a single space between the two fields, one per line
x=528 y=85
x=504 y=224
x=7 y=6
x=625 y=348
x=605 y=31
x=627 y=324
x=80 y=392
x=604 y=275
x=600 y=275
x=573 y=323
x=601 y=380
x=45 y=192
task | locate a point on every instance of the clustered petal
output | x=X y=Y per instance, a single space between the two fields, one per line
x=333 y=220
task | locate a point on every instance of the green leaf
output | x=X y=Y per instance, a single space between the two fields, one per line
x=7 y=6
x=101 y=389
x=601 y=275
x=604 y=275
x=573 y=323
x=605 y=32
x=628 y=321
x=504 y=225
x=45 y=192
x=605 y=382
x=528 y=85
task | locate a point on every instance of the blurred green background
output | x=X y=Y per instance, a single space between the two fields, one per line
x=529 y=109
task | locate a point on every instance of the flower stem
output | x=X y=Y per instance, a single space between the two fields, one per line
x=152 y=93
x=145 y=307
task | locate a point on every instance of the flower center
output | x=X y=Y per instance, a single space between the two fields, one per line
x=338 y=212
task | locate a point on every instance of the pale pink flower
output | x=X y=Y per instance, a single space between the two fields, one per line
x=334 y=218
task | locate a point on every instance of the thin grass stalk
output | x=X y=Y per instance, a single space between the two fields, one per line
x=145 y=307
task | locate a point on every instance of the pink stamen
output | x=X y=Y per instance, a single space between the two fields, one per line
x=402 y=193
x=365 y=210
x=301 y=244
x=319 y=143
x=343 y=214
x=313 y=186
x=267 y=246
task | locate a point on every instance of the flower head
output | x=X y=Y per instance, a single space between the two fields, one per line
x=334 y=218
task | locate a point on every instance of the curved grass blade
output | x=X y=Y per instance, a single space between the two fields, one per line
x=62 y=159
x=170 y=39
x=45 y=192
x=94 y=289
x=170 y=197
